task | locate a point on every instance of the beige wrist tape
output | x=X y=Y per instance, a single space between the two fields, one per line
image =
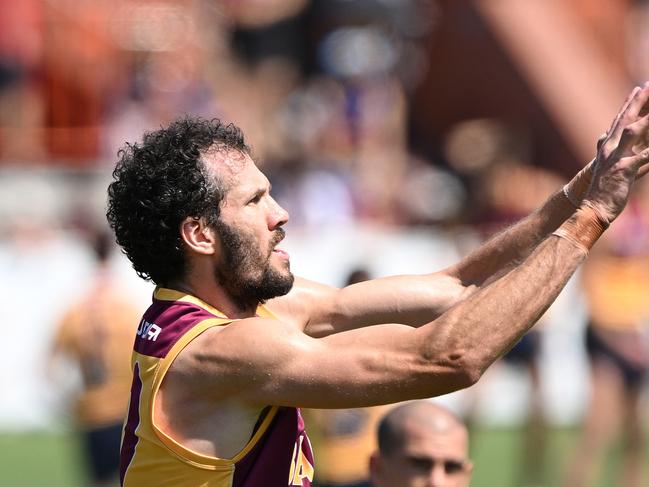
x=576 y=189
x=583 y=228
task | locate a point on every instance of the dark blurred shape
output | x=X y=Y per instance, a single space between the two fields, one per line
x=359 y=274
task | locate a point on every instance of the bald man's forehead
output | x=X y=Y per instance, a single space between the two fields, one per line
x=434 y=427
x=420 y=440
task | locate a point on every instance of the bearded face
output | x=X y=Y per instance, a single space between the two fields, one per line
x=246 y=270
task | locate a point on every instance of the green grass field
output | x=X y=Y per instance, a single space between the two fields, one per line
x=54 y=459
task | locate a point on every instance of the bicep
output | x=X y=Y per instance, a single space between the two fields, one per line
x=263 y=363
x=409 y=299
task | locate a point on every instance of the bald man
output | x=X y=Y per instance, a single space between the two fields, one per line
x=421 y=444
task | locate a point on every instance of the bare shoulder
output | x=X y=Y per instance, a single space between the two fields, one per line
x=221 y=361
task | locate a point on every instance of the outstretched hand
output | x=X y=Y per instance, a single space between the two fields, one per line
x=622 y=156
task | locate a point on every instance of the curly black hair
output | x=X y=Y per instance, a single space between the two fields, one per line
x=160 y=182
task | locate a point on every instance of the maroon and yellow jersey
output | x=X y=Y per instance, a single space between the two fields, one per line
x=278 y=452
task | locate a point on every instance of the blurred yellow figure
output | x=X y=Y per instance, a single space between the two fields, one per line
x=421 y=444
x=96 y=333
x=344 y=439
x=616 y=280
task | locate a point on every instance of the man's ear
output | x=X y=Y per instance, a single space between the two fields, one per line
x=198 y=236
x=375 y=467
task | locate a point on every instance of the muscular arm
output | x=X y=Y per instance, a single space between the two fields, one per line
x=410 y=300
x=417 y=299
x=506 y=250
x=262 y=361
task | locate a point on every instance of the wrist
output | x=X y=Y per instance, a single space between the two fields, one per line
x=584 y=227
x=576 y=189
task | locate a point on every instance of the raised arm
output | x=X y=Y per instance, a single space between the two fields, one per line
x=275 y=363
x=504 y=251
x=417 y=299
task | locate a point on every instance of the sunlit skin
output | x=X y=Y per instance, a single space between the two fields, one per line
x=251 y=267
x=249 y=205
x=432 y=452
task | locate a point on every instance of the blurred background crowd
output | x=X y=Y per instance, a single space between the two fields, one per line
x=397 y=133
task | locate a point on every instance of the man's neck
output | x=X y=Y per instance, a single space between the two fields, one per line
x=215 y=296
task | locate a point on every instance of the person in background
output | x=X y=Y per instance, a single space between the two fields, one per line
x=615 y=280
x=421 y=444
x=96 y=333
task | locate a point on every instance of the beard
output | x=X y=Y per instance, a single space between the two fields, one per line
x=246 y=272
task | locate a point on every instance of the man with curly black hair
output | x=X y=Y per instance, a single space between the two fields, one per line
x=233 y=345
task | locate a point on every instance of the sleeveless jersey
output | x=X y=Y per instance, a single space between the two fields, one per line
x=277 y=454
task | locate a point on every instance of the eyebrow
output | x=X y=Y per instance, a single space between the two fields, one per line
x=259 y=191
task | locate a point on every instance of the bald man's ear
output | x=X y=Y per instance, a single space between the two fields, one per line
x=375 y=467
x=198 y=236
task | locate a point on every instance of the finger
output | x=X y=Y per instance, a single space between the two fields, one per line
x=634 y=134
x=638 y=101
x=644 y=110
x=638 y=161
x=601 y=140
x=628 y=115
x=642 y=171
x=622 y=110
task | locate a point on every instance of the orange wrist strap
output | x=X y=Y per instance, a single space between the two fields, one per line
x=583 y=228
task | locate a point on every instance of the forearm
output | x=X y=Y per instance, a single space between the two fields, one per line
x=485 y=325
x=503 y=252
x=454 y=350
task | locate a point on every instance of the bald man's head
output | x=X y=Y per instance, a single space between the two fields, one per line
x=421 y=444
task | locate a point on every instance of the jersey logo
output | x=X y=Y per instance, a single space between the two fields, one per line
x=148 y=331
x=301 y=468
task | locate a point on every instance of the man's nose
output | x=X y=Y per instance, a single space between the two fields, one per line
x=438 y=476
x=278 y=215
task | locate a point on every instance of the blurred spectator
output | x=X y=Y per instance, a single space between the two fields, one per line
x=96 y=333
x=80 y=69
x=616 y=280
x=21 y=52
x=421 y=444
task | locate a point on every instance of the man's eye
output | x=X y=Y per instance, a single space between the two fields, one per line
x=421 y=464
x=255 y=200
x=452 y=467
